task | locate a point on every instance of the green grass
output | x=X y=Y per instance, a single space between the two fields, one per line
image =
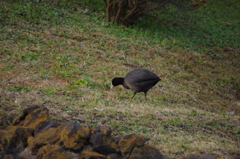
x=65 y=57
x=214 y=25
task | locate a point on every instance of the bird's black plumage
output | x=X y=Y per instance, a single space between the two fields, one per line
x=139 y=80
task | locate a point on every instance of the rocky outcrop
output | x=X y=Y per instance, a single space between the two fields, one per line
x=34 y=135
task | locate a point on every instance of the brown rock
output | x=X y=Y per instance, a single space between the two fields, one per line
x=21 y=117
x=47 y=137
x=7 y=156
x=146 y=152
x=36 y=117
x=44 y=125
x=13 y=139
x=87 y=154
x=26 y=153
x=53 y=152
x=71 y=136
x=128 y=143
x=103 y=142
x=31 y=117
x=114 y=156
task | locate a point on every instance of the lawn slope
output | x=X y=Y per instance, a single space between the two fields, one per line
x=65 y=57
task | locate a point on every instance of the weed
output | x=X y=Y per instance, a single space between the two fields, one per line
x=18 y=88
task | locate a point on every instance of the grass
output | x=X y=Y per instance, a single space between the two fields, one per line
x=214 y=25
x=64 y=58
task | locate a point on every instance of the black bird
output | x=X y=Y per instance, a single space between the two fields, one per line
x=139 y=80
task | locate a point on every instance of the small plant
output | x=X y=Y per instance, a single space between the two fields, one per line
x=85 y=81
x=65 y=74
x=21 y=88
x=9 y=123
x=193 y=113
x=175 y=121
x=8 y=141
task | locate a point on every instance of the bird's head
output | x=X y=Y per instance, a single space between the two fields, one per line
x=117 y=81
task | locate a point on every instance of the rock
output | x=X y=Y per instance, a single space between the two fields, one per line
x=70 y=136
x=31 y=117
x=13 y=140
x=21 y=117
x=73 y=136
x=49 y=136
x=36 y=117
x=114 y=156
x=26 y=153
x=103 y=142
x=128 y=143
x=7 y=156
x=44 y=125
x=86 y=154
x=52 y=152
x=146 y=152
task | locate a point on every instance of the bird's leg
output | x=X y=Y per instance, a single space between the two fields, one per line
x=133 y=95
x=145 y=93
